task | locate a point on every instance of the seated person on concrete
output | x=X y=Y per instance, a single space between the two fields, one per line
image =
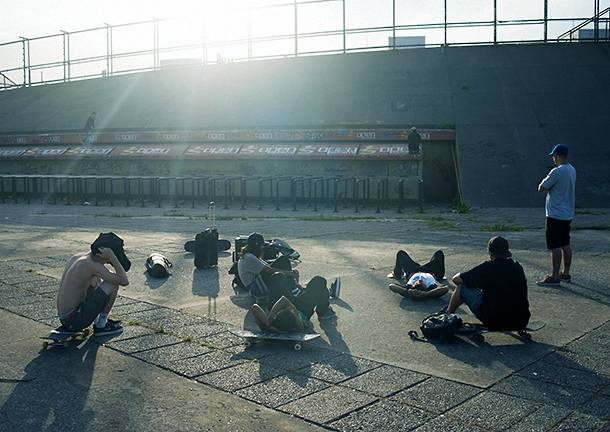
x=87 y=290
x=422 y=278
x=314 y=298
x=283 y=318
x=255 y=273
x=495 y=291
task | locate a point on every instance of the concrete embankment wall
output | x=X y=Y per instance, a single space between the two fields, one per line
x=508 y=104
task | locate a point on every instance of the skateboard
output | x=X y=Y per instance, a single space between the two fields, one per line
x=251 y=336
x=62 y=337
x=404 y=276
x=223 y=245
x=524 y=333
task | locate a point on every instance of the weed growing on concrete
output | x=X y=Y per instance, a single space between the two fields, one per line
x=500 y=227
x=590 y=212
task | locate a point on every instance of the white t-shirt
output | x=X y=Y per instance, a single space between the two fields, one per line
x=560 y=198
x=428 y=279
x=249 y=266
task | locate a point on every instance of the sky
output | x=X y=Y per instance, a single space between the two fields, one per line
x=212 y=21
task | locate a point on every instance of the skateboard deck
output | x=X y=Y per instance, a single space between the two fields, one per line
x=223 y=245
x=404 y=276
x=524 y=333
x=251 y=336
x=62 y=337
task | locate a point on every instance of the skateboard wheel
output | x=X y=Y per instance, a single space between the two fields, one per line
x=248 y=343
x=66 y=344
x=478 y=337
x=297 y=346
x=525 y=335
x=45 y=344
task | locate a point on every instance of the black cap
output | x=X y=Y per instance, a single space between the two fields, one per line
x=256 y=240
x=498 y=247
x=114 y=242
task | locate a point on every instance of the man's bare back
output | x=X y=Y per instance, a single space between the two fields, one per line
x=85 y=269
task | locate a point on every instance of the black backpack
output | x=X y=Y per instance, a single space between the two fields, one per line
x=438 y=327
x=158 y=266
x=236 y=280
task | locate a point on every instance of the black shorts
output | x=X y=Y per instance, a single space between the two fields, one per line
x=83 y=315
x=557 y=233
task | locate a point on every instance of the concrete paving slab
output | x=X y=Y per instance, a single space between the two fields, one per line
x=384 y=416
x=106 y=390
x=328 y=404
x=282 y=389
x=344 y=362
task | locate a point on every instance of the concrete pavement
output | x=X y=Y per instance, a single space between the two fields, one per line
x=176 y=367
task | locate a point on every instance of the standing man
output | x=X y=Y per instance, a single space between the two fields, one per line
x=88 y=289
x=88 y=126
x=558 y=186
x=414 y=140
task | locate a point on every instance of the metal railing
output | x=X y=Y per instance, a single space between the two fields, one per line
x=598 y=22
x=108 y=59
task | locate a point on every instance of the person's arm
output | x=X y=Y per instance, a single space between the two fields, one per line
x=457 y=279
x=294 y=273
x=542 y=189
x=260 y=317
x=284 y=303
x=118 y=278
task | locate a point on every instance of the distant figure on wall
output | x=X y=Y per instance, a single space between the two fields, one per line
x=88 y=126
x=414 y=141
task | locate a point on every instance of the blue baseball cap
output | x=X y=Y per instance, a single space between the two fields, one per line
x=560 y=150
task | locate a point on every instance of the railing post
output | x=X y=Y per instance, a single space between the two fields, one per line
x=401 y=194
x=421 y=196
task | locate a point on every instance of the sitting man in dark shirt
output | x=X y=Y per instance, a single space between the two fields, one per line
x=495 y=291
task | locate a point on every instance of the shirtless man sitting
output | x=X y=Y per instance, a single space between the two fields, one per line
x=87 y=290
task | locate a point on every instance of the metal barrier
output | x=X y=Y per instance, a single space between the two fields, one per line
x=95 y=190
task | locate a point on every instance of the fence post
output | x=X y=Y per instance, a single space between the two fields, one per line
x=401 y=194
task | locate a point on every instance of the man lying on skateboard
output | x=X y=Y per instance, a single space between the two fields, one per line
x=88 y=289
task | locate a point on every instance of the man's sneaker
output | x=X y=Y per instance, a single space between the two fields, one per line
x=567 y=278
x=110 y=329
x=116 y=323
x=398 y=276
x=335 y=287
x=328 y=315
x=549 y=281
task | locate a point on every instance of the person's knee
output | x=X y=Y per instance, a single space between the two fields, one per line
x=109 y=288
x=317 y=281
x=278 y=277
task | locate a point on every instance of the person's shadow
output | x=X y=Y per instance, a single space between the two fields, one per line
x=54 y=391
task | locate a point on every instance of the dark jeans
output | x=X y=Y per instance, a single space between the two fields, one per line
x=281 y=263
x=314 y=298
x=436 y=265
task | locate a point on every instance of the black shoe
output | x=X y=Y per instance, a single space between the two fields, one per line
x=335 y=287
x=328 y=315
x=108 y=330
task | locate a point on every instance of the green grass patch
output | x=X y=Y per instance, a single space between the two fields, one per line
x=602 y=227
x=323 y=218
x=500 y=227
x=590 y=212
x=118 y=215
